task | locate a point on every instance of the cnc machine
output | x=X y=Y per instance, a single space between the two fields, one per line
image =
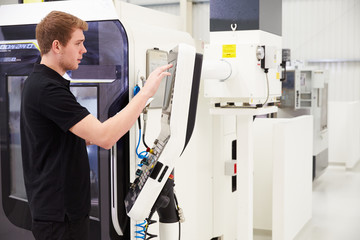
x=114 y=64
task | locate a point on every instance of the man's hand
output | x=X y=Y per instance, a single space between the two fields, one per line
x=154 y=80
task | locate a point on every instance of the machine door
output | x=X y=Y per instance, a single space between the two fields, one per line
x=101 y=85
x=15 y=212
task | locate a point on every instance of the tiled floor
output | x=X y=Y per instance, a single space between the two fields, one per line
x=336 y=207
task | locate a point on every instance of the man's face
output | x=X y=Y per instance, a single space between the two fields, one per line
x=71 y=54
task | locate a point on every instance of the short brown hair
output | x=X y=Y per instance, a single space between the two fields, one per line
x=57 y=26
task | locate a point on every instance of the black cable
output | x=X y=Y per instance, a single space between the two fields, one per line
x=143 y=135
x=143 y=138
x=266 y=70
x=149 y=236
x=177 y=207
x=139 y=123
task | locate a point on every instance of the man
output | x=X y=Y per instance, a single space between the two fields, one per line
x=55 y=129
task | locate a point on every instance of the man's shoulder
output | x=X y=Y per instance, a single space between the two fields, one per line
x=40 y=81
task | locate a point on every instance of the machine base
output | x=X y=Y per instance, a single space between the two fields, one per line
x=320 y=163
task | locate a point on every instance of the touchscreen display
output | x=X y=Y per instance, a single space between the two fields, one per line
x=169 y=85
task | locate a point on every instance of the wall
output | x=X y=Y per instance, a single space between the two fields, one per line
x=168 y=6
x=326 y=31
x=201 y=21
x=344 y=134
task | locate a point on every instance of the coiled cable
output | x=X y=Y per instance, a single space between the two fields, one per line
x=140 y=234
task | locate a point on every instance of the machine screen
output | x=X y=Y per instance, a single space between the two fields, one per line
x=169 y=86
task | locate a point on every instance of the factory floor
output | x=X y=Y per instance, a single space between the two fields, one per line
x=336 y=207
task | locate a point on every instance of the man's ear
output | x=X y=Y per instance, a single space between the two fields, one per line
x=56 y=46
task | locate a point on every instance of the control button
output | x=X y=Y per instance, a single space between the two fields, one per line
x=138 y=172
x=145 y=162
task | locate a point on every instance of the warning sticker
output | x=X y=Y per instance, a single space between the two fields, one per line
x=229 y=51
x=277 y=75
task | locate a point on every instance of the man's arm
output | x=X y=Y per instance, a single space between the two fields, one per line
x=106 y=134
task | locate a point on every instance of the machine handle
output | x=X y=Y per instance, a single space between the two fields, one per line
x=113 y=190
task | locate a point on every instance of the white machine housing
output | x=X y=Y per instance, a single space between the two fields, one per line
x=243 y=80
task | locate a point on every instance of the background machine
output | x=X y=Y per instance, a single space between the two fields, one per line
x=305 y=92
x=103 y=83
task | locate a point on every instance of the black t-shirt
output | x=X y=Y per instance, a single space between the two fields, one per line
x=55 y=161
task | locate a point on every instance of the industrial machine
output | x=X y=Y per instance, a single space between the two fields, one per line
x=243 y=59
x=114 y=63
x=305 y=92
x=241 y=71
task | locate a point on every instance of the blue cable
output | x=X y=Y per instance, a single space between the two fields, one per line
x=142 y=231
x=136 y=90
x=143 y=154
x=140 y=234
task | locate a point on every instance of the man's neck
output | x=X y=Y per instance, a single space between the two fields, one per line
x=47 y=61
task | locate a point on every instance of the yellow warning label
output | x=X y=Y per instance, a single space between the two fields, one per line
x=229 y=51
x=32 y=1
x=277 y=75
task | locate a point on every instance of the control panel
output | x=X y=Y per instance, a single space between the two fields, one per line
x=177 y=121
